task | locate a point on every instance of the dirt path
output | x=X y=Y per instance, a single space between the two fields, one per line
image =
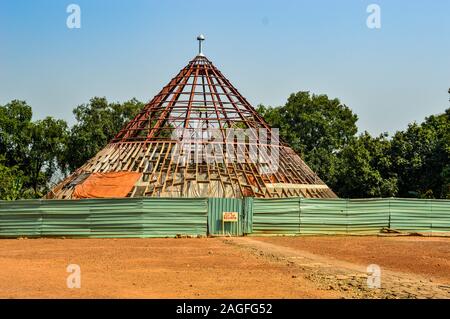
x=425 y=256
x=347 y=278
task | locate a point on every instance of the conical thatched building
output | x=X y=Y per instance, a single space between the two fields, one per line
x=198 y=137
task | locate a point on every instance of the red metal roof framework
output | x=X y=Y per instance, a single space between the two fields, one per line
x=199 y=97
x=199 y=92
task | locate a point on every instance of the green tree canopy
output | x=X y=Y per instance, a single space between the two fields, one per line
x=414 y=163
x=420 y=156
x=15 y=138
x=97 y=123
x=10 y=182
x=48 y=140
x=364 y=168
x=316 y=127
x=30 y=150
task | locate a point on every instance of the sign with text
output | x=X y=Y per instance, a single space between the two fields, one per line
x=230 y=216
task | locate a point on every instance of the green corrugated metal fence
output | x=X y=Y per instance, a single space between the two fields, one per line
x=169 y=217
x=20 y=218
x=322 y=216
x=440 y=216
x=367 y=216
x=276 y=216
x=103 y=218
x=349 y=216
x=420 y=215
x=248 y=215
x=116 y=218
x=162 y=217
x=61 y=218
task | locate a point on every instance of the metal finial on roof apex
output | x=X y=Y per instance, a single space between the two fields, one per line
x=200 y=38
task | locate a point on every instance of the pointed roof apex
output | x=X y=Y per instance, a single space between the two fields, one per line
x=200 y=39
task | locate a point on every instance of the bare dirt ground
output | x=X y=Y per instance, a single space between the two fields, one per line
x=281 y=267
x=340 y=263
x=145 y=268
x=426 y=256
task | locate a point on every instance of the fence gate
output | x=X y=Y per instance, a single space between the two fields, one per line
x=216 y=209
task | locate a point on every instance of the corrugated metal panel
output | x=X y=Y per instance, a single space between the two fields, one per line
x=65 y=218
x=276 y=216
x=319 y=216
x=20 y=218
x=216 y=207
x=367 y=216
x=104 y=218
x=116 y=218
x=173 y=216
x=323 y=216
x=410 y=215
x=440 y=216
x=248 y=215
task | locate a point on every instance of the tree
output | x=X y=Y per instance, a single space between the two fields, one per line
x=364 y=168
x=316 y=127
x=30 y=150
x=10 y=182
x=48 y=140
x=15 y=123
x=421 y=158
x=97 y=123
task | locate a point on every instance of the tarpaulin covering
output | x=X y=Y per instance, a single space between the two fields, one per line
x=106 y=185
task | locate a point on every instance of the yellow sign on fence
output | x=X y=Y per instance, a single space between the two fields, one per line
x=229 y=217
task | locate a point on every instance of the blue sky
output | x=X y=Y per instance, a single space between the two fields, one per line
x=268 y=49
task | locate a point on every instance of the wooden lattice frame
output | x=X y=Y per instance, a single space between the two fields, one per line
x=199 y=97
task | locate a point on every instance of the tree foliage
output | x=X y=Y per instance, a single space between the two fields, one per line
x=364 y=168
x=412 y=163
x=48 y=140
x=421 y=155
x=10 y=182
x=316 y=127
x=30 y=150
x=97 y=123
